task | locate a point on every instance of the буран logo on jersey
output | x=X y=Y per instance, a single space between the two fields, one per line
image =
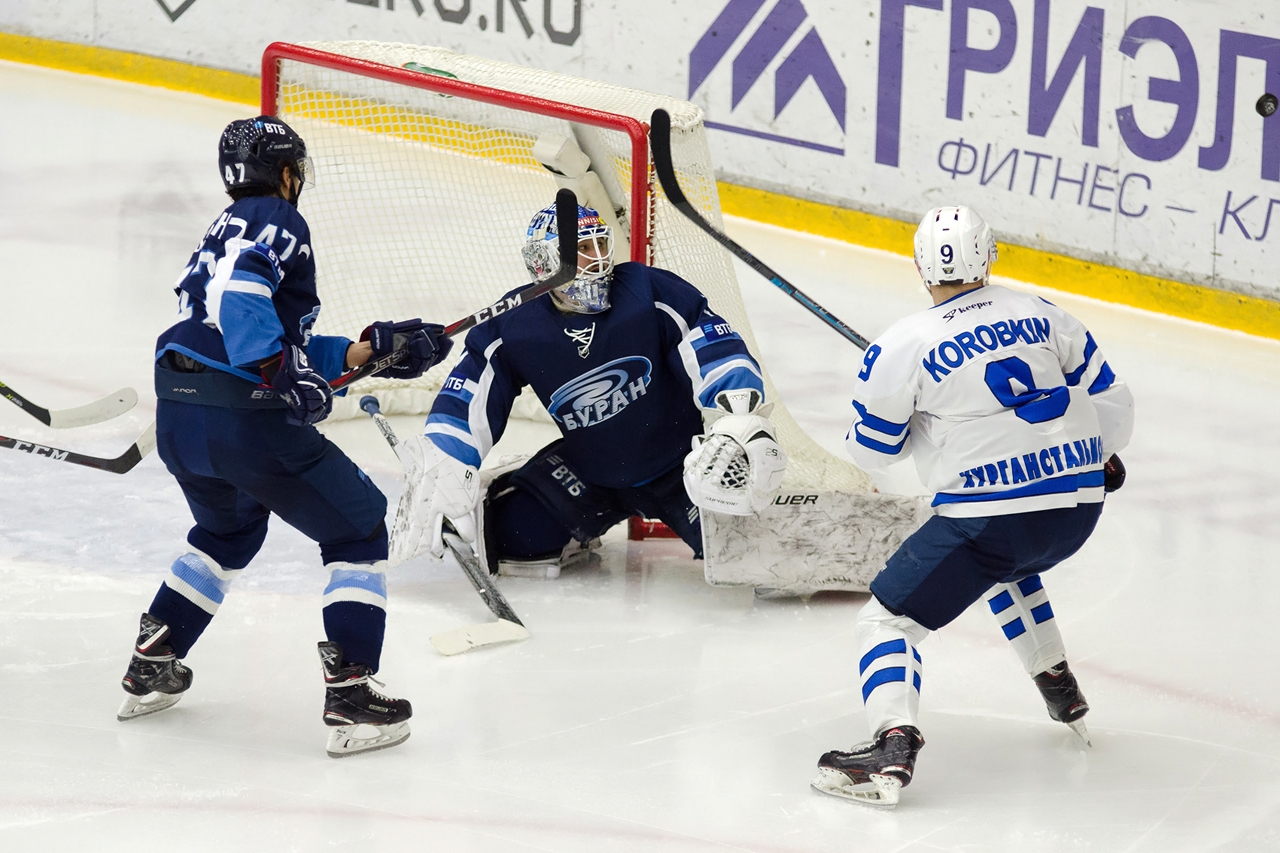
x=806 y=59
x=599 y=394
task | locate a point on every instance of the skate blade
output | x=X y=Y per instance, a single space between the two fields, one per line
x=346 y=740
x=461 y=640
x=883 y=792
x=134 y=707
x=1081 y=732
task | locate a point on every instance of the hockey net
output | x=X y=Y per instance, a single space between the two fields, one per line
x=426 y=180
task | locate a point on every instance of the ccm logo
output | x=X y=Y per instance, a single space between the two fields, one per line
x=794 y=500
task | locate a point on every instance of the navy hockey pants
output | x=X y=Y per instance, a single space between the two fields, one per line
x=949 y=563
x=236 y=467
x=536 y=510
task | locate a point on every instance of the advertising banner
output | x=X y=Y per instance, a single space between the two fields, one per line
x=1119 y=131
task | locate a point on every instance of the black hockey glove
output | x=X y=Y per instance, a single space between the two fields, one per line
x=425 y=343
x=1112 y=474
x=304 y=390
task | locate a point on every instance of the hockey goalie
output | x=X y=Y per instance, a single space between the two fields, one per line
x=635 y=369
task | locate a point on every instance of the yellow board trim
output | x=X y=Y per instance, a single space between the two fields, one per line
x=1193 y=302
x=1249 y=314
x=132 y=67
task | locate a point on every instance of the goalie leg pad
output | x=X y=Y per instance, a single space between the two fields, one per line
x=586 y=511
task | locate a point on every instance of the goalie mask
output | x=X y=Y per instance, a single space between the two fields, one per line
x=588 y=293
x=954 y=245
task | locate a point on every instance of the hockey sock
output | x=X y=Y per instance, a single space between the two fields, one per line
x=890 y=666
x=355 y=610
x=1026 y=618
x=189 y=598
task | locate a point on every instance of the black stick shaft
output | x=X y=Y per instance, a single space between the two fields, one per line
x=462 y=552
x=122 y=464
x=660 y=142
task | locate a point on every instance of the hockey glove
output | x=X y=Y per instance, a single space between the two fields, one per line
x=304 y=390
x=425 y=343
x=738 y=465
x=1112 y=474
x=445 y=488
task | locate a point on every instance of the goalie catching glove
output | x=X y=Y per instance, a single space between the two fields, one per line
x=442 y=488
x=738 y=465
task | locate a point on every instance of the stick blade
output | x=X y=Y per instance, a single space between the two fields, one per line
x=461 y=640
x=111 y=406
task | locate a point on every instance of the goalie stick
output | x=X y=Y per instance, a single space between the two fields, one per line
x=660 y=142
x=508 y=628
x=110 y=406
x=122 y=464
x=566 y=224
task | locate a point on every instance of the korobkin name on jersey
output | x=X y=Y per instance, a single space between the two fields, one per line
x=985 y=338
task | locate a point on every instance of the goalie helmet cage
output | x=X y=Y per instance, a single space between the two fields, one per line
x=425 y=181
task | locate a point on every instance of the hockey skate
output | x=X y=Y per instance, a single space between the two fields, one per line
x=576 y=554
x=873 y=773
x=1063 y=698
x=156 y=679
x=360 y=718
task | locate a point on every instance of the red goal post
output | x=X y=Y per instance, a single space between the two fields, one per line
x=642 y=180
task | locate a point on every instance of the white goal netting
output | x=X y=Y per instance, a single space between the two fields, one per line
x=421 y=199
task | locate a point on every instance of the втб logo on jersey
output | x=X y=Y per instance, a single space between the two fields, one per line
x=808 y=59
x=583 y=338
x=599 y=394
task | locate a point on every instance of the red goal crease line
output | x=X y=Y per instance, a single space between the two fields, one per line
x=637 y=131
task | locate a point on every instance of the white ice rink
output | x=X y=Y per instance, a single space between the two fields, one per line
x=648 y=711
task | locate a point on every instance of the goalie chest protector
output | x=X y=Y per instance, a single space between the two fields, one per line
x=614 y=382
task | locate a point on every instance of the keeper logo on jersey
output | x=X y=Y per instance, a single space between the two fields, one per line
x=599 y=394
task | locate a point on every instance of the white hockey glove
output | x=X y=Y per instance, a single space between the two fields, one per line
x=738 y=465
x=442 y=488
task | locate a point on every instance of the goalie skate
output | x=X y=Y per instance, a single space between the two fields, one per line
x=574 y=555
x=360 y=718
x=156 y=679
x=873 y=773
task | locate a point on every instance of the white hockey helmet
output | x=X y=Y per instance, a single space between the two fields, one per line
x=954 y=245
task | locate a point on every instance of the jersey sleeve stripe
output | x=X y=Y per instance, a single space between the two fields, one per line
x=1106 y=377
x=460 y=450
x=878 y=424
x=878 y=446
x=448 y=420
x=1090 y=347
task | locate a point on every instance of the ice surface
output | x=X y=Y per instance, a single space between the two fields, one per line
x=648 y=711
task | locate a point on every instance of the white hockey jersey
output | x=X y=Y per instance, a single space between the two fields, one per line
x=1004 y=400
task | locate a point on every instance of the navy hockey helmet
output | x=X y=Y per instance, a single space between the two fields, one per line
x=253 y=152
x=588 y=293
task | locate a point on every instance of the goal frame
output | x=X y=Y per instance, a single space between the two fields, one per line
x=642 y=177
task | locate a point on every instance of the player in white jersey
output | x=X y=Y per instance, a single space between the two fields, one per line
x=1014 y=418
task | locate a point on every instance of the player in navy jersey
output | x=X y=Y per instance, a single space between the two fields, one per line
x=631 y=362
x=1014 y=417
x=241 y=381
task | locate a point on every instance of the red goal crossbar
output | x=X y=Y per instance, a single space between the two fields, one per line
x=637 y=131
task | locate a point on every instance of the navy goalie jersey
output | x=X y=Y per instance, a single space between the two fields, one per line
x=625 y=386
x=249 y=288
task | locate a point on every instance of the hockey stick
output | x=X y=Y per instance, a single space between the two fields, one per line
x=110 y=406
x=566 y=224
x=660 y=142
x=122 y=464
x=508 y=628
